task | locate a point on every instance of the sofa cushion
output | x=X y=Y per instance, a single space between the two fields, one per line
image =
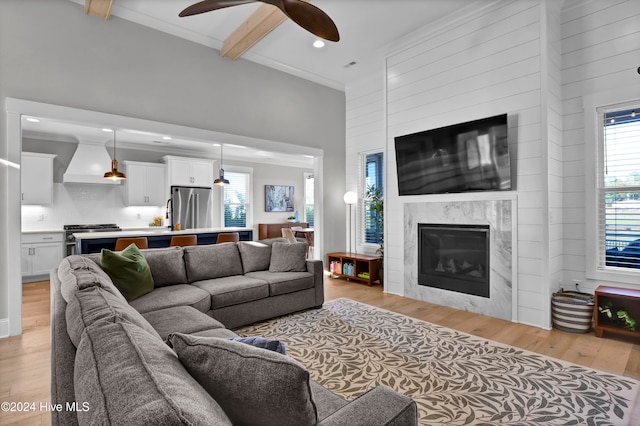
x=96 y=304
x=128 y=270
x=284 y=282
x=254 y=386
x=255 y=255
x=180 y=319
x=121 y=365
x=326 y=401
x=77 y=272
x=233 y=290
x=173 y=295
x=212 y=261
x=167 y=266
x=288 y=257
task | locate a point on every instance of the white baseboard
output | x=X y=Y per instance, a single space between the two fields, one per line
x=4 y=327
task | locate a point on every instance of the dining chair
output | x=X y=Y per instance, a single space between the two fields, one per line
x=123 y=243
x=228 y=237
x=288 y=234
x=184 y=240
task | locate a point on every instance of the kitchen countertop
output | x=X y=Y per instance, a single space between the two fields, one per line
x=151 y=232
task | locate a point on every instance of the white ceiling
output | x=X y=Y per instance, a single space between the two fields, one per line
x=367 y=29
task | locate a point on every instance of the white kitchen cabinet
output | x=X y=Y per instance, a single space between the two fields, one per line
x=182 y=171
x=145 y=184
x=36 y=176
x=41 y=252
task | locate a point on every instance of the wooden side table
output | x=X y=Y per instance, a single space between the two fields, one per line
x=362 y=267
x=621 y=299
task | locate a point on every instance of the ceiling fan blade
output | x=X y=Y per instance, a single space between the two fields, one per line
x=209 y=5
x=309 y=17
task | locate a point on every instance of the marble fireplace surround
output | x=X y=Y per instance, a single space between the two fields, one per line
x=495 y=213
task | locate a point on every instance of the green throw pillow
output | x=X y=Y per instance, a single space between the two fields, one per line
x=128 y=270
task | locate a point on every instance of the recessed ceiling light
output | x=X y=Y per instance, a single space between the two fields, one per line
x=166 y=138
x=308 y=156
x=33 y=119
x=318 y=44
x=107 y=130
x=216 y=144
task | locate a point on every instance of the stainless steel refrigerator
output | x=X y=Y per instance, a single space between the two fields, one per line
x=191 y=207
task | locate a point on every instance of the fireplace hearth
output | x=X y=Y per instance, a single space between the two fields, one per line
x=454 y=257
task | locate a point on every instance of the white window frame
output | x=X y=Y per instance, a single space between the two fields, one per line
x=594 y=107
x=306 y=176
x=249 y=204
x=362 y=194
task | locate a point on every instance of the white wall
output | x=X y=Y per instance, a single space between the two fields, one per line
x=536 y=62
x=53 y=53
x=600 y=54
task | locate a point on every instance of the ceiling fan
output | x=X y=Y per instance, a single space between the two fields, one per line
x=302 y=13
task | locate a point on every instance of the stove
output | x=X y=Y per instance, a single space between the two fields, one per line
x=69 y=230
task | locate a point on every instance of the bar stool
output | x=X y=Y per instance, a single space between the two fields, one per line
x=184 y=240
x=228 y=237
x=123 y=243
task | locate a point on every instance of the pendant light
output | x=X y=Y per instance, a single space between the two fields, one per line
x=221 y=181
x=114 y=174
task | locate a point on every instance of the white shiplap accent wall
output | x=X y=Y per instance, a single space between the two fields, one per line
x=600 y=54
x=552 y=104
x=365 y=132
x=487 y=64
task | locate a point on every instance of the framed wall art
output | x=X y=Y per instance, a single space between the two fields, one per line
x=278 y=198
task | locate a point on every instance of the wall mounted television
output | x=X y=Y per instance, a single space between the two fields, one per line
x=471 y=156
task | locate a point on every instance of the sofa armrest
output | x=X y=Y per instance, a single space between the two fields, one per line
x=316 y=268
x=381 y=406
x=63 y=355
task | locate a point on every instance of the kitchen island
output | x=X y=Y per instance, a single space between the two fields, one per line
x=93 y=242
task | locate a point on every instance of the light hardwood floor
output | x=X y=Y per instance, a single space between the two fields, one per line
x=25 y=360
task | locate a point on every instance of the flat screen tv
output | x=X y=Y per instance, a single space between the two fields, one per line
x=472 y=156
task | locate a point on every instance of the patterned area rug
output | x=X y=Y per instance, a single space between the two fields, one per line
x=455 y=378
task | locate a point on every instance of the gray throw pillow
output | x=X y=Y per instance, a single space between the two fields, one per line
x=255 y=256
x=288 y=257
x=253 y=386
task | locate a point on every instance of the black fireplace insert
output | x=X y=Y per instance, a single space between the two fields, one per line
x=454 y=257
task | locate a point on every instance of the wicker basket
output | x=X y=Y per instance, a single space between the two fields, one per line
x=572 y=311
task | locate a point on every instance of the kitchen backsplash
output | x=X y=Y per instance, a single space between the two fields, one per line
x=87 y=204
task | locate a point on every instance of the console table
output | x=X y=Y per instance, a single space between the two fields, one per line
x=620 y=299
x=353 y=266
x=274 y=230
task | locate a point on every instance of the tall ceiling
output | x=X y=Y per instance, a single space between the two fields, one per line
x=367 y=28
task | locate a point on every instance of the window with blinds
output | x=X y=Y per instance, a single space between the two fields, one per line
x=618 y=189
x=373 y=180
x=236 y=199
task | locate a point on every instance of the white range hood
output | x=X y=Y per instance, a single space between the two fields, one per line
x=89 y=164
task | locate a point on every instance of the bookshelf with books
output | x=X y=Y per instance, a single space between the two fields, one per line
x=352 y=266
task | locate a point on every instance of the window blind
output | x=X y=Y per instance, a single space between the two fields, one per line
x=619 y=189
x=236 y=199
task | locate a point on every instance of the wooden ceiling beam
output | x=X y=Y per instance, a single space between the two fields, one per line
x=99 y=8
x=265 y=19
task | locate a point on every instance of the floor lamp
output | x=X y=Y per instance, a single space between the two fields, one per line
x=350 y=199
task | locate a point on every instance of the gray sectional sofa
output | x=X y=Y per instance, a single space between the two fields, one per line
x=167 y=356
